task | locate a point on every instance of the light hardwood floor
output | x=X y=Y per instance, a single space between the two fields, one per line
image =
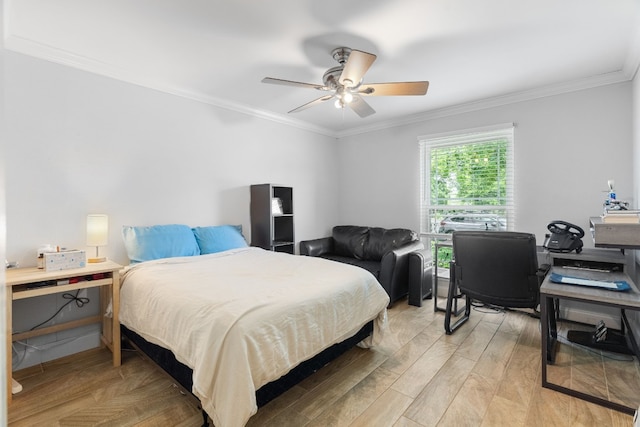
x=486 y=374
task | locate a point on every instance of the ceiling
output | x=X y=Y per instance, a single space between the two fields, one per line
x=474 y=53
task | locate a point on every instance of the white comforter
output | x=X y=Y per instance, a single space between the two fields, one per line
x=243 y=318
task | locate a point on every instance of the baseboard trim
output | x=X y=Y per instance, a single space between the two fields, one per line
x=589 y=317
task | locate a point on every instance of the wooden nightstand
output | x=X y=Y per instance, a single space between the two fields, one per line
x=31 y=282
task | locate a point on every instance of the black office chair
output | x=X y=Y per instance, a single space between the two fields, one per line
x=499 y=268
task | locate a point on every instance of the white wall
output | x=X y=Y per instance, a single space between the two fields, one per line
x=80 y=143
x=566 y=148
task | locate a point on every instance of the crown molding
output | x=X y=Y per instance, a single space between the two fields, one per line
x=60 y=56
x=244 y=109
x=497 y=101
x=49 y=53
x=632 y=62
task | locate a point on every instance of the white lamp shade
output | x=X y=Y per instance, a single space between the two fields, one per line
x=97 y=230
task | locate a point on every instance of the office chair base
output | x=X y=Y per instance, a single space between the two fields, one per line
x=449 y=311
x=449 y=328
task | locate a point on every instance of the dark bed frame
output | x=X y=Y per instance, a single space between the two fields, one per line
x=183 y=374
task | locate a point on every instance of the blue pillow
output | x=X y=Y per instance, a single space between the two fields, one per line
x=219 y=238
x=159 y=241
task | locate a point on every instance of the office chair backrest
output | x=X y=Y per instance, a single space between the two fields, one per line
x=497 y=267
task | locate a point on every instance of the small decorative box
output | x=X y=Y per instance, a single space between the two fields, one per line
x=64 y=260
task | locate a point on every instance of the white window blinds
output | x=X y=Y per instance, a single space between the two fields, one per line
x=467 y=181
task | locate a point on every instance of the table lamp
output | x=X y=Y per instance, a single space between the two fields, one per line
x=97 y=234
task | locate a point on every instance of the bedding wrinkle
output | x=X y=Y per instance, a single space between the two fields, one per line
x=245 y=317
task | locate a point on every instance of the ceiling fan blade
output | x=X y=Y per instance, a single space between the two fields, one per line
x=357 y=64
x=273 y=81
x=361 y=107
x=392 y=89
x=312 y=103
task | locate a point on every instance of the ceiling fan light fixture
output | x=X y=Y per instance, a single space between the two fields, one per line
x=343 y=97
x=344 y=83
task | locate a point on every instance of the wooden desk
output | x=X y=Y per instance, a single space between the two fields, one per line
x=627 y=300
x=20 y=284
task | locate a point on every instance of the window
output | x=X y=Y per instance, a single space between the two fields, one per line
x=467 y=181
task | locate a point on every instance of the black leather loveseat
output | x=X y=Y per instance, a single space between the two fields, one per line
x=383 y=252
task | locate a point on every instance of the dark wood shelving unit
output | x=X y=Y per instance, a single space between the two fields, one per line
x=271 y=229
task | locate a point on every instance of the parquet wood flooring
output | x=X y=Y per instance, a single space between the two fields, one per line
x=486 y=374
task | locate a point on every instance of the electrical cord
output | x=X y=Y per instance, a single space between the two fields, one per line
x=20 y=355
x=486 y=308
x=80 y=302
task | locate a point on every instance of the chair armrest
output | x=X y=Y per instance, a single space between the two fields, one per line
x=316 y=247
x=394 y=270
x=542 y=272
x=424 y=253
x=405 y=250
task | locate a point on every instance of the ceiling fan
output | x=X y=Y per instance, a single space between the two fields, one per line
x=344 y=83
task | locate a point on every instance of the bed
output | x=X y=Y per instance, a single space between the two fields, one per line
x=241 y=318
